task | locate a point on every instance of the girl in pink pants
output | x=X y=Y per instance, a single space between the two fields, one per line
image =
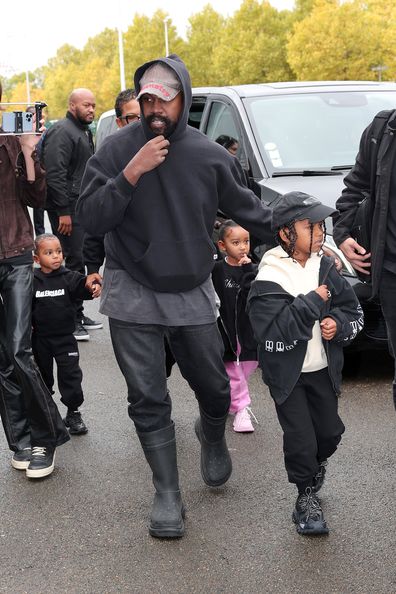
x=231 y=278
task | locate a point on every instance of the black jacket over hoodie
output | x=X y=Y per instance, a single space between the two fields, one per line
x=53 y=312
x=232 y=285
x=160 y=230
x=283 y=325
x=358 y=185
x=67 y=146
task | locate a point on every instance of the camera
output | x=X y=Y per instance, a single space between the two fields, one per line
x=21 y=122
x=17 y=122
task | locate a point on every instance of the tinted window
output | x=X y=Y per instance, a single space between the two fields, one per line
x=314 y=129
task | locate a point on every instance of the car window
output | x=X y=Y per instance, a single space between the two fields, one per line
x=106 y=125
x=221 y=121
x=312 y=130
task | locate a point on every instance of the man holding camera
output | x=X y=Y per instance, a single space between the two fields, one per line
x=67 y=146
x=31 y=420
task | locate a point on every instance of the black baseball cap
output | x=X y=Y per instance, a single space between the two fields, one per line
x=296 y=206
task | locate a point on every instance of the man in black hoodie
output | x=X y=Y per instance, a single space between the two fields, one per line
x=154 y=189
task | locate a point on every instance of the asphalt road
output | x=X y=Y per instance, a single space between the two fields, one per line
x=84 y=528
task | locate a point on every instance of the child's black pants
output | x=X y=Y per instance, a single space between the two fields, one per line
x=311 y=426
x=64 y=350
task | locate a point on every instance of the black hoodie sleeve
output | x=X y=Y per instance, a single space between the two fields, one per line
x=241 y=204
x=76 y=285
x=357 y=186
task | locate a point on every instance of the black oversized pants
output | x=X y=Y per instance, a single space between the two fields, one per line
x=140 y=353
x=311 y=426
x=387 y=293
x=64 y=350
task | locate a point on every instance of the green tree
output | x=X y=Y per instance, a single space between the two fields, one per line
x=145 y=40
x=203 y=35
x=251 y=48
x=344 y=41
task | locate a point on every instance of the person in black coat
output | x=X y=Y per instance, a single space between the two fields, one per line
x=56 y=290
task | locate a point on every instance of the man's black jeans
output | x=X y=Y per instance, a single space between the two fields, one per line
x=388 y=304
x=22 y=390
x=140 y=353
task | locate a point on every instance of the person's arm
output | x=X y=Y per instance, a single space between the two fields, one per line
x=31 y=176
x=106 y=191
x=357 y=187
x=58 y=148
x=241 y=204
x=93 y=252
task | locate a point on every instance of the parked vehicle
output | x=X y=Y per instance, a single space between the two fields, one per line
x=106 y=125
x=299 y=136
x=295 y=136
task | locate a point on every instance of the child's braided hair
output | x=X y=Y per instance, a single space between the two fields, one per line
x=291 y=233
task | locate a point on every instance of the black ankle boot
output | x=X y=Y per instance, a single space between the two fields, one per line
x=216 y=465
x=167 y=513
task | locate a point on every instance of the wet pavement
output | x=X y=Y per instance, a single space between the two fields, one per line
x=84 y=528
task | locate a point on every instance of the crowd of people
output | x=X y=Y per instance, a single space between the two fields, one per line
x=147 y=203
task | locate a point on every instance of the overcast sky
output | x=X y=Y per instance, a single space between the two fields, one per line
x=31 y=32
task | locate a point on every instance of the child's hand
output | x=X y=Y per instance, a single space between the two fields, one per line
x=244 y=260
x=328 y=327
x=94 y=284
x=322 y=292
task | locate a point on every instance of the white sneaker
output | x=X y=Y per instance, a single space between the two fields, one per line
x=242 y=421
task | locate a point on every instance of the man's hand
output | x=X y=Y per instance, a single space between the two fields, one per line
x=94 y=284
x=328 y=328
x=152 y=154
x=65 y=225
x=322 y=292
x=356 y=255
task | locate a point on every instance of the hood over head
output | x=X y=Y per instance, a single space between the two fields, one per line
x=153 y=78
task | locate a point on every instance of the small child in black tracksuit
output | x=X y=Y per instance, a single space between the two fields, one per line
x=231 y=277
x=303 y=313
x=53 y=321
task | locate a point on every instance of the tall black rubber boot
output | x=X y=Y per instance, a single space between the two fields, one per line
x=167 y=513
x=216 y=465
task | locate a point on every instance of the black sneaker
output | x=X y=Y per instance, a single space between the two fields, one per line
x=91 y=324
x=74 y=422
x=42 y=462
x=80 y=333
x=21 y=459
x=319 y=477
x=308 y=514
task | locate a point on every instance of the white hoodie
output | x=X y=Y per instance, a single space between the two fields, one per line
x=276 y=266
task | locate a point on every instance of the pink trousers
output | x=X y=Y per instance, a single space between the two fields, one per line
x=239 y=374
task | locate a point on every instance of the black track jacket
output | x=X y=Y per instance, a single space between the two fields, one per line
x=282 y=325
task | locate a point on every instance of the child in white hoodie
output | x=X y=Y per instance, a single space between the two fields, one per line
x=303 y=312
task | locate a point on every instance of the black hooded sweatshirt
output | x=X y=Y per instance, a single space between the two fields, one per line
x=53 y=311
x=160 y=230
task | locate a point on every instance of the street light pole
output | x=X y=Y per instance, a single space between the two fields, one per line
x=27 y=87
x=121 y=54
x=166 y=19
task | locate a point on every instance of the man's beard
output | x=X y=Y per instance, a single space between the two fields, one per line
x=169 y=125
